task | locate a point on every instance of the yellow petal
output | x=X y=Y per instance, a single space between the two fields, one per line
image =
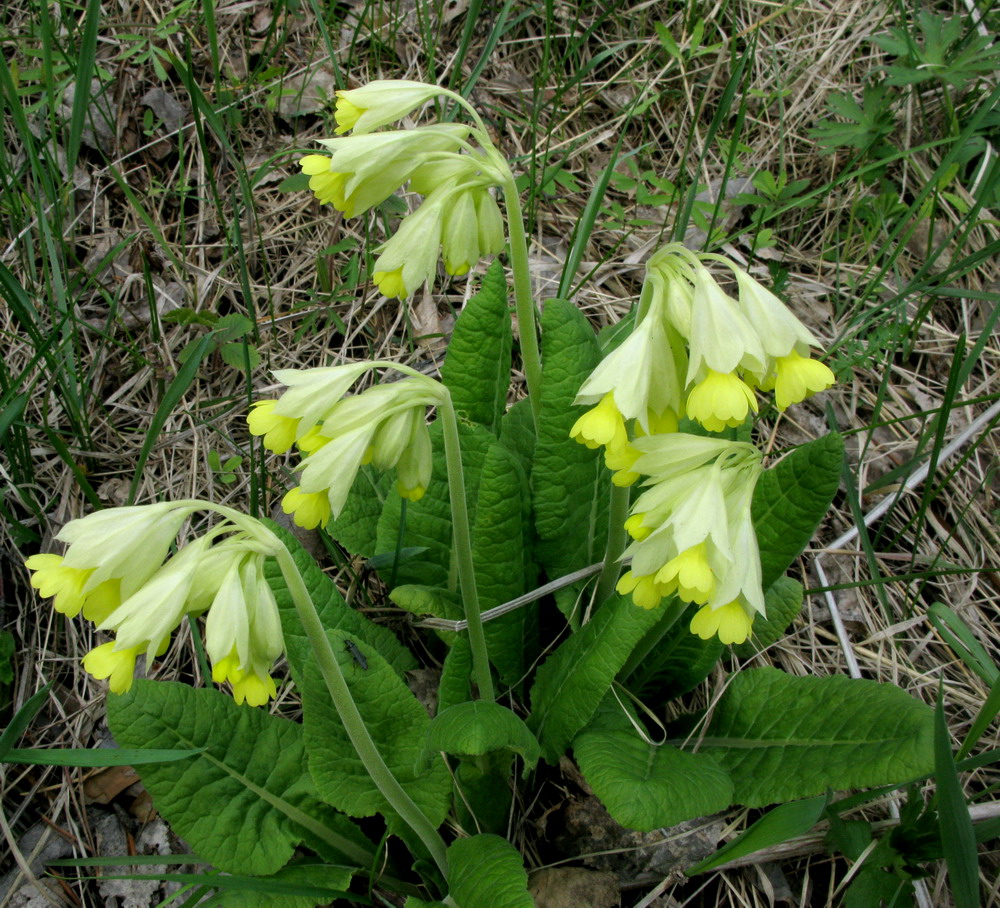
x=799 y=377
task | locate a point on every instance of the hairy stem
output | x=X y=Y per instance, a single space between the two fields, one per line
x=347 y=709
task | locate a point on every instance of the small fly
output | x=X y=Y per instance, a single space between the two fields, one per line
x=358 y=656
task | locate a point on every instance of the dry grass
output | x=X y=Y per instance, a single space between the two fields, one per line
x=557 y=94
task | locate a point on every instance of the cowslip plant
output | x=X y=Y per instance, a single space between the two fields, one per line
x=658 y=482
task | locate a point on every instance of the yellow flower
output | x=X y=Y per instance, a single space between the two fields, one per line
x=248 y=687
x=118 y=666
x=689 y=574
x=601 y=425
x=278 y=431
x=720 y=400
x=646 y=592
x=798 y=377
x=308 y=509
x=390 y=283
x=380 y=102
x=731 y=622
x=53 y=579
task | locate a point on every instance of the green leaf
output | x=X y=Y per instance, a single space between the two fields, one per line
x=572 y=682
x=325 y=881
x=413 y=902
x=782 y=738
x=240 y=803
x=356 y=529
x=397 y=724
x=483 y=793
x=499 y=554
x=476 y=727
x=455 y=686
x=957 y=838
x=791 y=499
x=776 y=826
x=642 y=785
x=429 y=600
x=476 y=369
x=428 y=521
x=487 y=870
x=568 y=481
x=333 y=611
x=517 y=433
x=7 y=648
x=782 y=601
x=678 y=663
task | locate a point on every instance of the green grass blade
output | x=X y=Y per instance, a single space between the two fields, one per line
x=22 y=719
x=175 y=391
x=957 y=837
x=87 y=54
x=778 y=825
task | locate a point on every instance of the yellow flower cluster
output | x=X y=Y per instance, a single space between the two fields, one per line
x=693 y=536
x=385 y=426
x=116 y=572
x=458 y=220
x=695 y=352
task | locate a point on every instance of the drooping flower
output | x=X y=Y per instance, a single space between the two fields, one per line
x=692 y=529
x=379 y=103
x=736 y=345
x=642 y=376
x=458 y=218
x=243 y=631
x=384 y=425
x=143 y=599
x=363 y=171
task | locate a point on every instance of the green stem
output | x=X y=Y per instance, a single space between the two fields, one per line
x=347 y=709
x=617 y=515
x=670 y=615
x=463 y=548
x=524 y=305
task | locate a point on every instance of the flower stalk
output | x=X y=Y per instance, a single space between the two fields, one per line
x=347 y=709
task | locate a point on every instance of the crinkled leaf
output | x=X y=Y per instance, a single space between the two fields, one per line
x=397 y=724
x=476 y=369
x=644 y=786
x=782 y=738
x=783 y=601
x=428 y=521
x=503 y=520
x=357 y=526
x=517 y=433
x=572 y=682
x=477 y=727
x=569 y=481
x=456 y=686
x=234 y=803
x=483 y=795
x=678 y=663
x=487 y=870
x=333 y=611
x=791 y=499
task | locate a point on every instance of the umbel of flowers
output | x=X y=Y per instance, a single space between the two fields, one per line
x=695 y=352
x=452 y=166
x=693 y=536
x=385 y=425
x=117 y=572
